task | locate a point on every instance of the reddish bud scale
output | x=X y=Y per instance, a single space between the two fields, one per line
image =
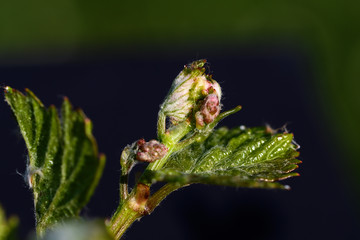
x=209 y=110
x=150 y=151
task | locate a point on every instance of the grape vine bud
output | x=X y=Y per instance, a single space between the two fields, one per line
x=188 y=91
x=150 y=151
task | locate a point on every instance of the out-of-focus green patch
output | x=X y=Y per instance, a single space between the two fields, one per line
x=79 y=230
x=8 y=227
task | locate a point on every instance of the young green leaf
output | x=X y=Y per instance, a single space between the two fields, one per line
x=64 y=166
x=252 y=157
x=8 y=227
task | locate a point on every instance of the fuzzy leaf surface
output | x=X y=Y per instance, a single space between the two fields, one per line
x=64 y=166
x=251 y=157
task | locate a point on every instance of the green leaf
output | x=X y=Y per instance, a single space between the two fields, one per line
x=64 y=166
x=8 y=227
x=252 y=157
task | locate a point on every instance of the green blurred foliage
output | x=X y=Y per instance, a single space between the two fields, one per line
x=327 y=29
x=79 y=230
x=8 y=227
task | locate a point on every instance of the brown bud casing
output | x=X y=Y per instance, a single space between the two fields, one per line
x=209 y=110
x=150 y=151
x=138 y=202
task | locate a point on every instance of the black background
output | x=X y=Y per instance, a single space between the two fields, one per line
x=121 y=93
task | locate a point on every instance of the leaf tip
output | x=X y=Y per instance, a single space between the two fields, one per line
x=238 y=107
x=8 y=89
x=67 y=101
x=102 y=156
x=86 y=120
x=67 y=104
x=270 y=130
x=33 y=96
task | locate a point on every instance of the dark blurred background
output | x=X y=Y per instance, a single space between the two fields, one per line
x=286 y=63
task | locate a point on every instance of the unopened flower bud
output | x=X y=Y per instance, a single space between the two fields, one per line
x=150 y=151
x=188 y=90
x=209 y=110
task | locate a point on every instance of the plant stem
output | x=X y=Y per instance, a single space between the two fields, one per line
x=122 y=219
x=138 y=203
x=126 y=214
x=123 y=186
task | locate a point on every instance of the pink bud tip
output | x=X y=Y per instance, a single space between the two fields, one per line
x=209 y=110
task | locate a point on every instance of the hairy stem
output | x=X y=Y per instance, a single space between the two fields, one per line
x=137 y=205
x=124 y=192
x=122 y=219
